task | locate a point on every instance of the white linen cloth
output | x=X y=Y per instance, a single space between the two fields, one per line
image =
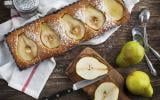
x=32 y=80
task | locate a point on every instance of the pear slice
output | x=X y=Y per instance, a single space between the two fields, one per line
x=48 y=37
x=115 y=9
x=107 y=91
x=75 y=29
x=26 y=48
x=94 y=18
x=90 y=68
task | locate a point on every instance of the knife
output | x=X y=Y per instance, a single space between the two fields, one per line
x=75 y=87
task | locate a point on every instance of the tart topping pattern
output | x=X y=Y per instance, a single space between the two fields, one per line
x=94 y=18
x=26 y=48
x=74 y=28
x=48 y=37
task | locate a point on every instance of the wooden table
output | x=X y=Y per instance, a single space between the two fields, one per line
x=109 y=50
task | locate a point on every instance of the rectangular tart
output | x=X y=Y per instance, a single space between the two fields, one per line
x=58 y=32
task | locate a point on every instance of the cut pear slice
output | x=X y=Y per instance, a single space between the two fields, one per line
x=90 y=68
x=75 y=29
x=94 y=18
x=115 y=9
x=107 y=91
x=26 y=48
x=48 y=37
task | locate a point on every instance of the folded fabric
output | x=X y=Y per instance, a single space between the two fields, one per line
x=32 y=80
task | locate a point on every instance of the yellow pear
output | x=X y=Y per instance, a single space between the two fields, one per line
x=131 y=53
x=138 y=83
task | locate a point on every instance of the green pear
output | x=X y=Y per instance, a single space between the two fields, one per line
x=138 y=83
x=149 y=91
x=131 y=53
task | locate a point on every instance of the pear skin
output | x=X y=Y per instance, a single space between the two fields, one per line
x=121 y=62
x=131 y=53
x=138 y=83
x=148 y=91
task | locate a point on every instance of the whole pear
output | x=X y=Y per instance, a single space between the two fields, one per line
x=131 y=53
x=138 y=83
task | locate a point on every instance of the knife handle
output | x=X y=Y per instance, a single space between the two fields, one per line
x=59 y=94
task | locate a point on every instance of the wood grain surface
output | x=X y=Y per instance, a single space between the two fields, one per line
x=112 y=76
x=108 y=50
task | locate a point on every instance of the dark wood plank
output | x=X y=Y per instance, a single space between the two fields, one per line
x=108 y=50
x=4 y=12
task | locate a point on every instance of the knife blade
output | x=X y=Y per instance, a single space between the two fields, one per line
x=84 y=83
x=75 y=87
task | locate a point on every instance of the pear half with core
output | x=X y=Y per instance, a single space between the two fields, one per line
x=138 y=83
x=114 y=8
x=48 y=37
x=94 y=18
x=75 y=29
x=107 y=91
x=90 y=68
x=26 y=48
x=131 y=53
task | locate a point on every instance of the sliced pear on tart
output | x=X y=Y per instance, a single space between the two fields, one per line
x=48 y=37
x=26 y=48
x=94 y=18
x=114 y=9
x=75 y=29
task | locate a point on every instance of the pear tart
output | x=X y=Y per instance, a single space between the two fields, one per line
x=56 y=33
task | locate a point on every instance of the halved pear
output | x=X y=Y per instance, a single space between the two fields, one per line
x=90 y=68
x=94 y=18
x=26 y=48
x=48 y=37
x=107 y=91
x=115 y=9
x=75 y=29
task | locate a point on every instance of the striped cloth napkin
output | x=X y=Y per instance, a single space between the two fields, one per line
x=32 y=80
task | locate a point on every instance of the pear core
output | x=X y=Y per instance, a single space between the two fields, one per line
x=26 y=48
x=90 y=68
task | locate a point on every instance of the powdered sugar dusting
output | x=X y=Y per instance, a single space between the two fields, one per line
x=80 y=14
x=100 y=5
x=32 y=32
x=109 y=22
x=31 y=35
x=60 y=27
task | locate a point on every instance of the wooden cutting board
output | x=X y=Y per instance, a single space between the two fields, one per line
x=113 y=75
